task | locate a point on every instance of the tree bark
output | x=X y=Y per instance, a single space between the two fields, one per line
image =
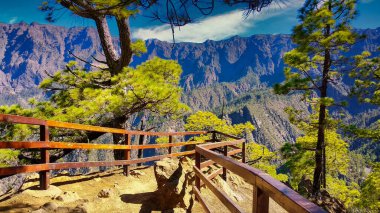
x=106 y=42
x=320 y=155
x=125 y=43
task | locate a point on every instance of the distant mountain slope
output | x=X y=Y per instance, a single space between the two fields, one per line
x=236 y=71
x=27 y=52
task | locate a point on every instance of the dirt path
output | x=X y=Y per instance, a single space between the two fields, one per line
x=134 y=193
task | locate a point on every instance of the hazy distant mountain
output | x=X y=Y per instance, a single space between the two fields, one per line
x=237 y=71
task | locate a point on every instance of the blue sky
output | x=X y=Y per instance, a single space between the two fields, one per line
x=222 y=24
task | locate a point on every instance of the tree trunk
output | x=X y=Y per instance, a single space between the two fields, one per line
x=125 y=43
x=320 y=156
x=141 y=142
x=114 y=62
x=318 y=171
x=106 y=41
x=119 y=123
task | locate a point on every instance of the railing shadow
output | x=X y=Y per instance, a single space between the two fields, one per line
x=146 y=199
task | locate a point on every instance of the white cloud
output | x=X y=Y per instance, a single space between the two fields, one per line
x=12 y=20
x=216 y=27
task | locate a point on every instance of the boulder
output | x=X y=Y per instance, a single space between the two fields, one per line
x=12 y=184
x=175 y=178
x=106 y=193
x=305 y=186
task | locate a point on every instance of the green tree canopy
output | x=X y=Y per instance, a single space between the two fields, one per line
x=370 y=197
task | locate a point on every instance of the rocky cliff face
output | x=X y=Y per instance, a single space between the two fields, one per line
x=224 y=61
x=237 y=71
x=28 y=53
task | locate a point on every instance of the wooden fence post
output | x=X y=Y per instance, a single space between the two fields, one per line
x=198 y=165
x=140 y=151
x=260 y=201
x=127 y=153
x=45 y=158
x=213 y=136
x=243 y=159
x=170 y=141
x=224 y=175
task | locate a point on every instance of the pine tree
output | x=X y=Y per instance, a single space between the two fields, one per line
x=316 y=63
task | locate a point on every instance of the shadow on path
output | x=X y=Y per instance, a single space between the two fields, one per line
x=17 y=207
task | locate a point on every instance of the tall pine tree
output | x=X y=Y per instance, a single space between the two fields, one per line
x=322 y=37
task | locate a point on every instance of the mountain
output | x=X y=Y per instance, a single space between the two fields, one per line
x=28 y=53
x=238 y=72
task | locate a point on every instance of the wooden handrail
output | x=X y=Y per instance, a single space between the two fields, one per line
x=265 y=186
x=7 y=171
x=21 y=120
x=227 y=135
x=69 y=145
x=58 y=124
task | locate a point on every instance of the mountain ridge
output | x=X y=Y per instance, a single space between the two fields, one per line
x=214 y=72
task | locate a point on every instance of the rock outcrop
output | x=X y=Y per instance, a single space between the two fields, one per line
x=323 y=199
x=175 y=178
x=329 y=203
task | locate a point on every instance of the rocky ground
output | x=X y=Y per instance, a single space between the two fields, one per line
x=165 y=187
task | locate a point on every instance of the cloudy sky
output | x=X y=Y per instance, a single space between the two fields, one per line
x=222 y=24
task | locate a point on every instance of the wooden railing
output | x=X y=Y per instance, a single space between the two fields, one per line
x=216 y=153
x=44 y=145
x=265 y=186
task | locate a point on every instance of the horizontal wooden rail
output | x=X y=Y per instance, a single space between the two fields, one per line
x=201 y=200
x=6 y=171
x=58 y=124
x=221 y=144
x=265 y=185
x=68 y=145
x=227 y=135
x=210 y=162
x=214 y=174
x=219 y=193
x=21 y=120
